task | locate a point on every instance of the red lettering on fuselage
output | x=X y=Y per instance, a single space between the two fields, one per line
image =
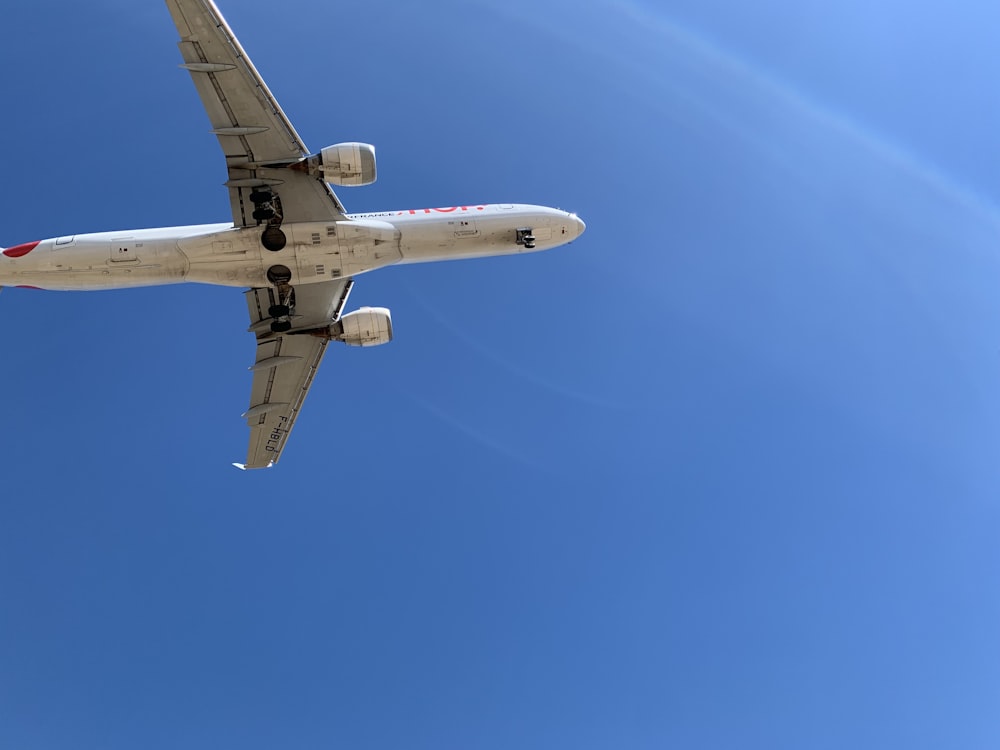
x=450 y=209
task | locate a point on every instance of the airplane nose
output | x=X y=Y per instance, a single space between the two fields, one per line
x=578 y=223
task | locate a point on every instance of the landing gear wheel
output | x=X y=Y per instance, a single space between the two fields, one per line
x=273 y=239
x=278 y=311
x=279 y=275
x=257 y=197
x=525 y=237
x=281 y=326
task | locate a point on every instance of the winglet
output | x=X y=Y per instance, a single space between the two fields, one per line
x=243 y=467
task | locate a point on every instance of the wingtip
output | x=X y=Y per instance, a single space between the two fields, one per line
x=244 y=467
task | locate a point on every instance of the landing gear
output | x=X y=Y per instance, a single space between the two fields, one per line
x=281 y=310
x=526 y=237
x=279 y=275
x=267 y=208
x=273 y=239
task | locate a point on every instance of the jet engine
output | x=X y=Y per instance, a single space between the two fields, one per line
x=346 y=164
x=369 y=326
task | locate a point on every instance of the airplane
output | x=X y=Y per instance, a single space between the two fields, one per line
x=291 y=241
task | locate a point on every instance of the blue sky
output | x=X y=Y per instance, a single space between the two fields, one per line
x=723 y=473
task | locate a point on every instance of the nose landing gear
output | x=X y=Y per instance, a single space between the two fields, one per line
x=526 y=237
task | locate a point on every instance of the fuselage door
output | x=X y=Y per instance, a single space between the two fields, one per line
x=464 y=226
x=123 y=250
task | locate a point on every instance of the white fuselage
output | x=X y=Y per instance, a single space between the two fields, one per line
x=315 y=251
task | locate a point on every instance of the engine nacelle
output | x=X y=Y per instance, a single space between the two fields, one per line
x=346 y=164
x=369 y=326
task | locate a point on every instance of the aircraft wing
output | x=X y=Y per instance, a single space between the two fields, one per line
x=250 y=125
x=286 y=364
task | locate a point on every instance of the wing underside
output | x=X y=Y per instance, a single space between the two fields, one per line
x=286 y=364
x=289 y=365
x=252 y=129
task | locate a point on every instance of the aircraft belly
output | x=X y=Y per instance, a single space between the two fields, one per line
x=313 y=252
x=425 y=243
x=231 y=257
x=334 y=250
x=88 y=263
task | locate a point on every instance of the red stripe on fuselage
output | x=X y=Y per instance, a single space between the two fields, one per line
x=19 y=251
